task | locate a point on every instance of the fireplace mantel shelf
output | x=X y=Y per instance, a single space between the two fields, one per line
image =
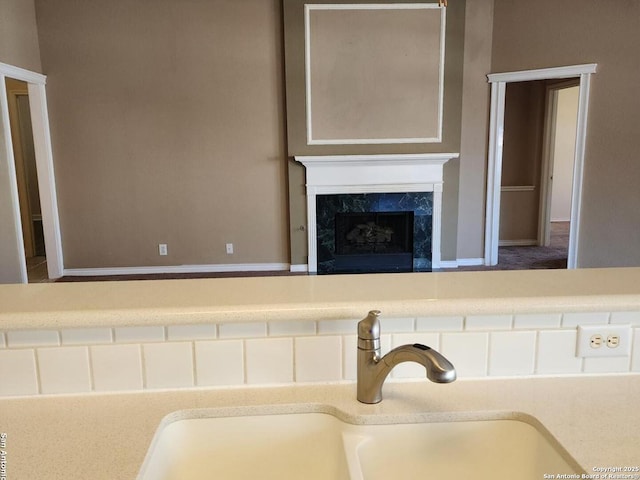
x=336 y=174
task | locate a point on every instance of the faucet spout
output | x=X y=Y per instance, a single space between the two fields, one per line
x=374 y=369
x=438 y=368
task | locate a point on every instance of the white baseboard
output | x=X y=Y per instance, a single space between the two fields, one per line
x=462 y=262
x=216 y=268
x=299 y=268
x=531 y=242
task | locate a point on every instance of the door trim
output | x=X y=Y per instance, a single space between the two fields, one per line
x=44 y=165
x=498 y=83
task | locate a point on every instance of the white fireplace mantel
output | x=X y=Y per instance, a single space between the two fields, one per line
x=334 y=174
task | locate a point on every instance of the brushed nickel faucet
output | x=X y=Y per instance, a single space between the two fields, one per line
x=373 y=368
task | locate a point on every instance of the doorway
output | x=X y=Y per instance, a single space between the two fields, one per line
x=27 y=180
x=13 y=244
x=499 y=83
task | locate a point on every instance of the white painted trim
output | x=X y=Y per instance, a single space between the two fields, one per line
x=396 y=158
x=470 y=262
x=22 y=74
x=299 y=268
x=544 y=73
x=215 y=268
x=379 y=188
x=462 y=262
x=308 y=8
x=578 y=169
x=335 y=174
x=46 y=180
x=494 y=173
x=518 y=188
x=496 y=137
x=448 y=264
x=13 y=180
x=519 y=243
x=44 y=165
x=551 y=103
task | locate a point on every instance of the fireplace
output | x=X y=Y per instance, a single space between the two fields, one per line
x=373 y=242
x=345 y=186
x=374 y=232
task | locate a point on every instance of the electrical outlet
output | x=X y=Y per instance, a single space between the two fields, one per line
x=162 y=249
x=229 y=248
x=604 y=341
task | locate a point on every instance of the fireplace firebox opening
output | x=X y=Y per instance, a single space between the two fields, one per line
x=374 y=241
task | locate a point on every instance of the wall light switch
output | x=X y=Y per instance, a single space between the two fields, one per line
x=604 y=341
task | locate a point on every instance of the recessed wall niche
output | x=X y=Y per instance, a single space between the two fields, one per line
x=374 y=73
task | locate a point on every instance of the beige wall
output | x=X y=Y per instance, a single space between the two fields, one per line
x=475 y=129
x=18 y=47
x=19 y=35
x=167 y=127
x=547 y=33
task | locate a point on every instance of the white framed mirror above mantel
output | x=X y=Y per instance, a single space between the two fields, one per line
x=358 y=174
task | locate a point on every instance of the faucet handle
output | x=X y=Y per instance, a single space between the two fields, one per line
x=369 y=327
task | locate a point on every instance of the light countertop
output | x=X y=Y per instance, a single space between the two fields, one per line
x=100 y=437
x=69 y=305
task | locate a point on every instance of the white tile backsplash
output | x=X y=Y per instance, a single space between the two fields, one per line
x=606 y=364
x=537 y=321
x=397 y=325
x=467 y=351
x=439 y=324
x=512 y=353
x=584 y=318
x=488 y=322
x=33 y=338
x=269 y=360
x=336 y=327
x=86 y=336
x=116 y=367
x=168 y=365
x=635 y=353
x=556 y=352
x=349 y=357
x=291 y=328
x=231 y=354
x=318 y=359
x=18 y=373
x=219 y=362
x=631 y=318
x=242 y=330
x=64 y=369
x=139 y=334
x=191 y=332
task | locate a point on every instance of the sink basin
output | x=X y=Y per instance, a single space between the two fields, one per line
x=320 y=446
x=269 y=447
x=492 y=449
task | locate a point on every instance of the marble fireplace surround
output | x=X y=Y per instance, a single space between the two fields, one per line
x=351 y=174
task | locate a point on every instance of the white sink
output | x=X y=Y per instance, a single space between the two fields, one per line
x=492 y=449
x=320 y=446
x=265 y=447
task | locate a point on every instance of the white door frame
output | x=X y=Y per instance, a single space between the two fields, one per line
x=44 y=166
x=498 y=83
